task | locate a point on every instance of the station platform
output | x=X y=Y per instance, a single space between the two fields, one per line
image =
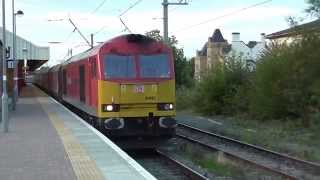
x=47 y=141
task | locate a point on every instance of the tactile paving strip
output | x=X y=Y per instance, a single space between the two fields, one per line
x=83 y=166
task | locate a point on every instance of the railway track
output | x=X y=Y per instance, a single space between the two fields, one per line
x=163 y=167
x=281 y=164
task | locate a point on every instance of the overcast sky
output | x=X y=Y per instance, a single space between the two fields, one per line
x=102 y=17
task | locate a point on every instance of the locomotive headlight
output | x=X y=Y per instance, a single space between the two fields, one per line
x=165 y=106
x=109 y=108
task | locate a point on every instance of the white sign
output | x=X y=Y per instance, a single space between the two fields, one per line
x=10 y=64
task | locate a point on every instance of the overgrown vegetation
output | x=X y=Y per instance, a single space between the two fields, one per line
x=211 y=162
x=314 y=8
x=278 y=102
x=286 y=82
x=285 y=85
x=219 y=91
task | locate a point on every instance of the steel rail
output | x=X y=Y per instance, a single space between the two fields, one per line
x=188 y=171
x=309 y=167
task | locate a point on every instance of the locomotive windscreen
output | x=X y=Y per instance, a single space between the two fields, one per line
x=124 y=67
x=154 y=66
x=117 y=66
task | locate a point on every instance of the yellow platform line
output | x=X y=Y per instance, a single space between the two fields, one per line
x=84 y=167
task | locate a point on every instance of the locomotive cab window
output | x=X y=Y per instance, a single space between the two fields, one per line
x=154 y=66
x=117 y=66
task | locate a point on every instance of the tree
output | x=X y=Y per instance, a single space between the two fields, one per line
x=314 y=8
x=183 y=67
x=286 y=82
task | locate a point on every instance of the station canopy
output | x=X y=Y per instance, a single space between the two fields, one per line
x=35 y=55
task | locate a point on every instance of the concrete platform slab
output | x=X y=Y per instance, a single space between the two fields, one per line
x=47 y=141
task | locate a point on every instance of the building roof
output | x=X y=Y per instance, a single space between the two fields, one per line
x=26 y=49
x=36 y=55
x=203 y=51
x=310 y=27
x=217 y=36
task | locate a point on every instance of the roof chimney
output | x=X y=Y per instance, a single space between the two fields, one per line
x=263 y=37
x=235 y=36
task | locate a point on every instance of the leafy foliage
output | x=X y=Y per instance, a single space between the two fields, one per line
x=221 y=91
x=287 y=81
x=314 y=8
x=285 y=84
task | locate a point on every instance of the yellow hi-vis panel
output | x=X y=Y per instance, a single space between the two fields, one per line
x=136 y=99
x=138 y=93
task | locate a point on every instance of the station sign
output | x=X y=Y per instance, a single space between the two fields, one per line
x=10 y=64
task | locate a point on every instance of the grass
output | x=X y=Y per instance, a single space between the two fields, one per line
x=287 y=137
x=210 y=162
x=217 y=168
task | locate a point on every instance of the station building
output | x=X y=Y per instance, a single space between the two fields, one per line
x=28 y=55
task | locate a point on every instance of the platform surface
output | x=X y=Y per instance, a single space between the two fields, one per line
x=47 y=141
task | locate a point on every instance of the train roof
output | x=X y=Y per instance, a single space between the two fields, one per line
x=42 y=70
x=55 y=67
x=84 y=54
x=131 y=38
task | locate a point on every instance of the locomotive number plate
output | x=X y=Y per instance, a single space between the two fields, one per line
x=139 y=88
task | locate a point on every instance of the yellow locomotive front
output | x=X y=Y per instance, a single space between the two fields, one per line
x=136 y=97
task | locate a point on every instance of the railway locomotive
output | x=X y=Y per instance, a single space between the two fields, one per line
x=124 y=87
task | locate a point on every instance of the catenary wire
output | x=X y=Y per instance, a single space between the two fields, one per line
x=223 y=16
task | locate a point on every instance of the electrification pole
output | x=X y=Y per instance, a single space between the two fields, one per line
x=15 y=88
x=4 y=97
x=91 y=40
x=165 y=21
x=14 y=53
x=166 y=18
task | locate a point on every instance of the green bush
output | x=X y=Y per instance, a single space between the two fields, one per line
x=286 y=82
x=185 y=98
x=285 y=85
x=221 y=90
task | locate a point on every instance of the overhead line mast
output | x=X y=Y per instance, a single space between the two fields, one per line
x=166 y=18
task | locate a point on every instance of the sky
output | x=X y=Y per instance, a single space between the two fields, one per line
x=46 y=21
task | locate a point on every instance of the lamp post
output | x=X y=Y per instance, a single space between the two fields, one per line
x=15 y=62
x=4 y=97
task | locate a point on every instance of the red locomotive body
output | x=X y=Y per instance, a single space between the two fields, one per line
x=124 y=87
